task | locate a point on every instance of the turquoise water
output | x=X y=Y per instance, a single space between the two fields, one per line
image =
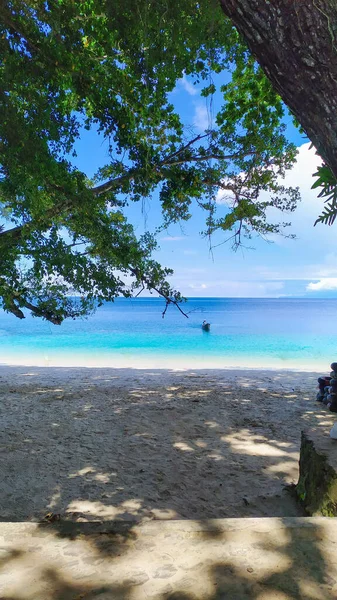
x=243 y=332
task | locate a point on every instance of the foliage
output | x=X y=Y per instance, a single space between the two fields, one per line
x=328 y=184
x=111 y=66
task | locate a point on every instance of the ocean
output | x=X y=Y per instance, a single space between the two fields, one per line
x=261 y=333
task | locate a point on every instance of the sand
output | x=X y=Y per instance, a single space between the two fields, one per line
x=103 y=444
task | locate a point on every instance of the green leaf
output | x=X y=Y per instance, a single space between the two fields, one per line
x=112 y=67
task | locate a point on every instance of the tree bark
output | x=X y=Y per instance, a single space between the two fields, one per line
x=295 y=42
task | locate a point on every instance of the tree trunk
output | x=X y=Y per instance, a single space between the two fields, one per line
x=295 y=42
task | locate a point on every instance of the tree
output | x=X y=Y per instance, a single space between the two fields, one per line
x=111 y=66
x=296 y=45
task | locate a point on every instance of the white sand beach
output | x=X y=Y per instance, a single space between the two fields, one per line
x=158 y=360
x=132 y=444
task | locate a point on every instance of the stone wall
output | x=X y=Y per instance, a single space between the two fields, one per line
x=317 y=485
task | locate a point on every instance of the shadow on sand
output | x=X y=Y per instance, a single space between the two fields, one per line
x=89 y=448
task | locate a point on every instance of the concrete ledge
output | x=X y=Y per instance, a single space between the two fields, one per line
x=234 y=559
x=159 y=527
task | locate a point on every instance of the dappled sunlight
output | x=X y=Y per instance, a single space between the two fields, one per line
x=322 y=419
x=288 y=469
x=38 y=391
x=277 y=595
x=215 y=456
x=255 y=559
x=141 y=392
x=64 y=571
x=164 y=514
x=195 y=447
x=310 y=590
x=94 y=475
x=244 y=442
x=183 y=446
x=97 y=510
x=190 y=444
x=200 y=444
x=55 y=498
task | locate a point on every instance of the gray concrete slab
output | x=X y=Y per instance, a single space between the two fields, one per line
x=229 y=559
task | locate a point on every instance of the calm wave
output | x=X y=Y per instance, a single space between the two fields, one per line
x=243 y=331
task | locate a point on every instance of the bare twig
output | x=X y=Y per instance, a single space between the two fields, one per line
x=140 y=291
x=183 y=148
x=207 y=157
x=146 y=280
x=165 y=309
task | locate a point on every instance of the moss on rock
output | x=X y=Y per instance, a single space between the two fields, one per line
x=317 y=484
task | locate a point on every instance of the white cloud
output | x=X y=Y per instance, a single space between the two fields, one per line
x=328 y=267
x=188 y=86
x=296 y=267
x=224 y=197
x=249 y=289
x=295 y=271
x=304 y=217
x=329 y=283
x=312 y=256
x=234 y=289
x=201 y=119
x=172 y=238
x=299 y=176
x=197 y=286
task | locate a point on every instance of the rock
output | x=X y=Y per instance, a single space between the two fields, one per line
x=317 y=484
x=333 y=432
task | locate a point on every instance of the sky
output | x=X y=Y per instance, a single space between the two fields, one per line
x=279 y=267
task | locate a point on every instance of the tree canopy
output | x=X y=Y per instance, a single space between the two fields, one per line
x=296 y=45
x=109 y=65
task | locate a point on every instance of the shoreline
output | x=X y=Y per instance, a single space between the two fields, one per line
x=164 y=362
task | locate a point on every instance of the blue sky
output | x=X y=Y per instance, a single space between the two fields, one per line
x=306 y=266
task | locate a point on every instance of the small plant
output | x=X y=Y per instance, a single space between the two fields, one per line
x=328 y=184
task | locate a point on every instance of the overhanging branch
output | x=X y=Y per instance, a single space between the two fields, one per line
x=10 y=237
x=147 y=281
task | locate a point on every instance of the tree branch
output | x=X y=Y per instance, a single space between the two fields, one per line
x=6 y=18
x=146 y=280
x=210 y=157
x=190 y=143
x=10 y=304
x=56 y=320
x=14 y=235
x=113 y=183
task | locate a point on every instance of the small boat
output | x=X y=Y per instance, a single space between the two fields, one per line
x=206 y=326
